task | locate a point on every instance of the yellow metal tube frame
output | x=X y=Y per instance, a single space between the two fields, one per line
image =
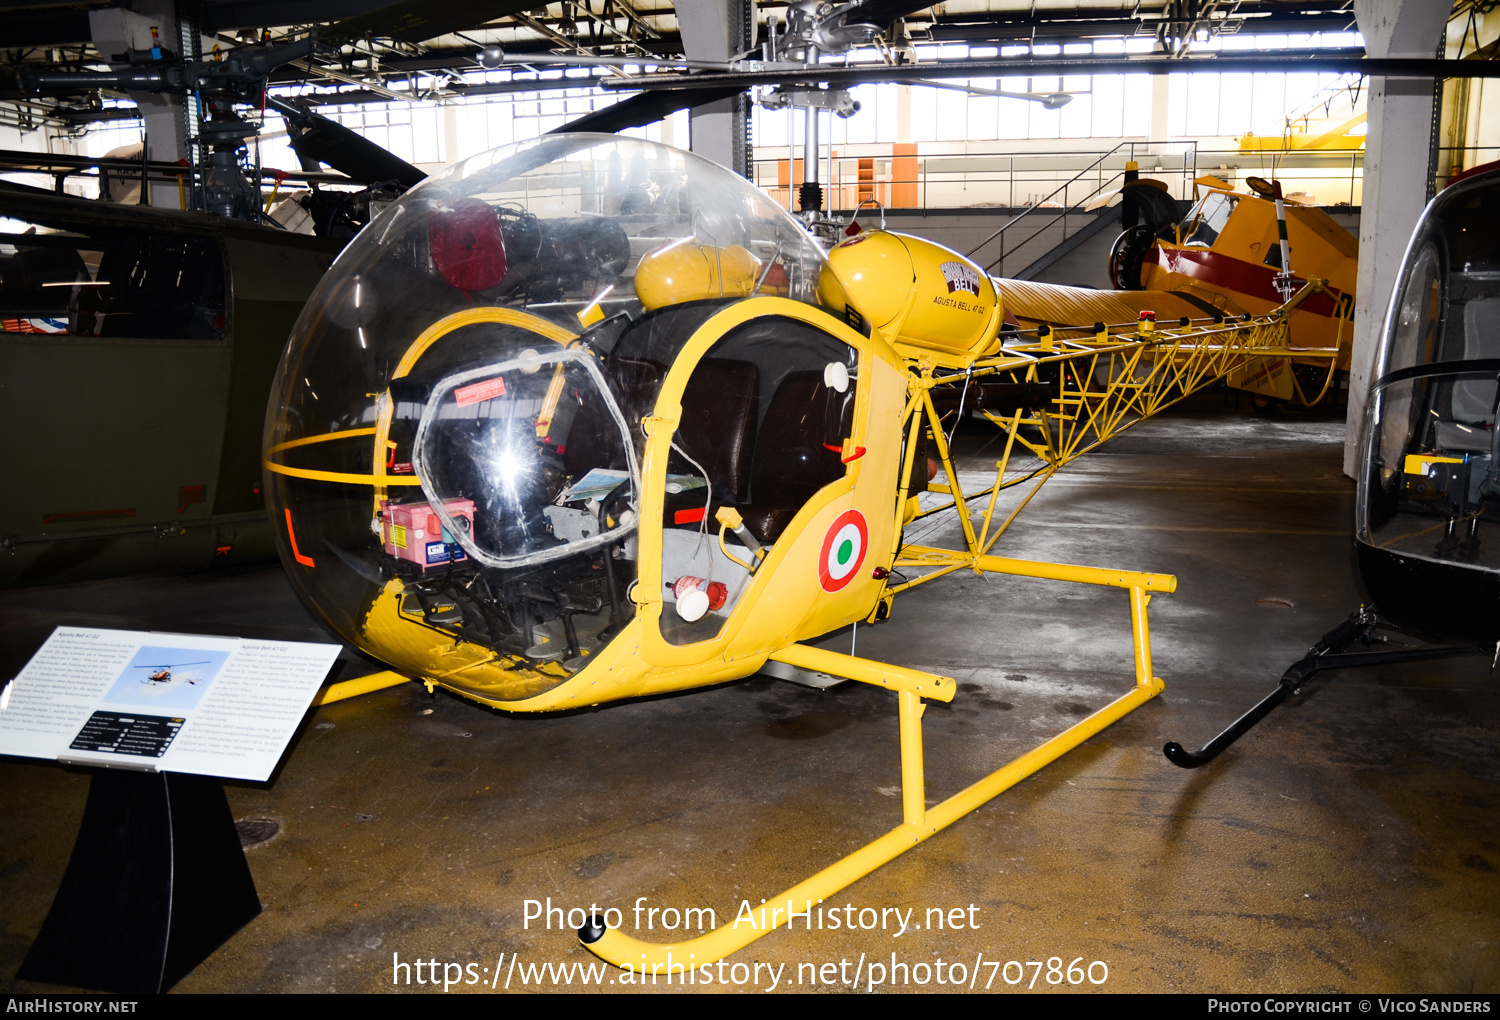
x=918 y=822
x=1182 y=360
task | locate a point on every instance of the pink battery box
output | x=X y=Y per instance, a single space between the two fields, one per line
x=413 y=532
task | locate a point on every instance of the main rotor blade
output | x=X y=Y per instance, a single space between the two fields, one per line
x=881 y=12
x=418 y=20
x=1341 y=61
x=646 y=108
x=314 y=137
x=1051 y=100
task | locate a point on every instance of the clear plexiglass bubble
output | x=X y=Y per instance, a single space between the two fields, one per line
x=441 y=436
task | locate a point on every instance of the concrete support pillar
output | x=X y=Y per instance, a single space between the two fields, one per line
x=718 y=30
x=1161 y=92
x=1397 y=150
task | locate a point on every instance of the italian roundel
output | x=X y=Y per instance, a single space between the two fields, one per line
x=843 y=550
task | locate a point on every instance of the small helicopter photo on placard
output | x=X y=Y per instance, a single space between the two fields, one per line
x=169 y=678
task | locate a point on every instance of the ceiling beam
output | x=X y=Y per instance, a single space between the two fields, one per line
x=1341 y=61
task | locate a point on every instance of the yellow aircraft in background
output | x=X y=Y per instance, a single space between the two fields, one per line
x=1225 y=256
x=1233 y=252
x=590 y=418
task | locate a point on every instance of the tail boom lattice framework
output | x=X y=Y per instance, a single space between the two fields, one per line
x=1105 y=381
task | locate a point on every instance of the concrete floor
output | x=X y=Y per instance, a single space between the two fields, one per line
x=1348 y=844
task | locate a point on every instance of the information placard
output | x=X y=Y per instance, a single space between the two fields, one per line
x=169 y=702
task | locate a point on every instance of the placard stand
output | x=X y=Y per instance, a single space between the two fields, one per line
x=156 y=883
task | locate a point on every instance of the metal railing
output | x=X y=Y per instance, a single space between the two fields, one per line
x=1455 y=159
x=993 y=178
x=1101 y=184
x=1006 y=181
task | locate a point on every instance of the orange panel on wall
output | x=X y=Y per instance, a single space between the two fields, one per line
x=904 y=176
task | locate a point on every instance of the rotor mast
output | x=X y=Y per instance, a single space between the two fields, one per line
x=810 y=199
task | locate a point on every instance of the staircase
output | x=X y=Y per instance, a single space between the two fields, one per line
x=1008 y=244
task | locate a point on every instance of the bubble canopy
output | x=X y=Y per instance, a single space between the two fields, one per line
x=441 y=429
x=1429 y=488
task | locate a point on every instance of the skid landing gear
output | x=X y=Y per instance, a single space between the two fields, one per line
x=1327 y=654
x=919 y=822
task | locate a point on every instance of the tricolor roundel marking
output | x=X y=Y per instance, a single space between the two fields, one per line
x=843 y=550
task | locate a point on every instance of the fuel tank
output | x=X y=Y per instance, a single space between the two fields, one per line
x=921 y=296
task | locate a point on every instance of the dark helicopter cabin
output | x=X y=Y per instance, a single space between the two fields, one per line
x=1430 y=486
x=137 y=351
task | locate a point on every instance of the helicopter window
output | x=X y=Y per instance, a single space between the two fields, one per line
x=763 y=423
x=494 y=442
x=596 y=439
x=1432 y=479
x=1413 y=339
x=1418 y=317
x=1208 y=218
x=157 y=286
x=1473 y=400
x=1430 y=491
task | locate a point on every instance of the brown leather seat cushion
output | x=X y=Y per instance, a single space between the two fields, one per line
x=594 y=440
x=791 y=461
x=767 y=522
x=719 y=408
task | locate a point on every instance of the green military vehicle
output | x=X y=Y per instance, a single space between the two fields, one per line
x=137 y=352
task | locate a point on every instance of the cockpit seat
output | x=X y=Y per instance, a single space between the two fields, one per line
x=594 y=441
x=1469 y=425
x=792 y=461
x=1474 y=399
x=719 y=408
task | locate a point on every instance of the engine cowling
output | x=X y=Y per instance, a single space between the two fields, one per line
x=919 y=294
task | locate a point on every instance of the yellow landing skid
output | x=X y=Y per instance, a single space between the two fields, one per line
x=359 y=685
x=918 y=822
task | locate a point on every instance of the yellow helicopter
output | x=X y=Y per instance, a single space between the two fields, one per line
x=589 y=418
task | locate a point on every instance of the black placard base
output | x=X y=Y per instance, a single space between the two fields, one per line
x=156 y=883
